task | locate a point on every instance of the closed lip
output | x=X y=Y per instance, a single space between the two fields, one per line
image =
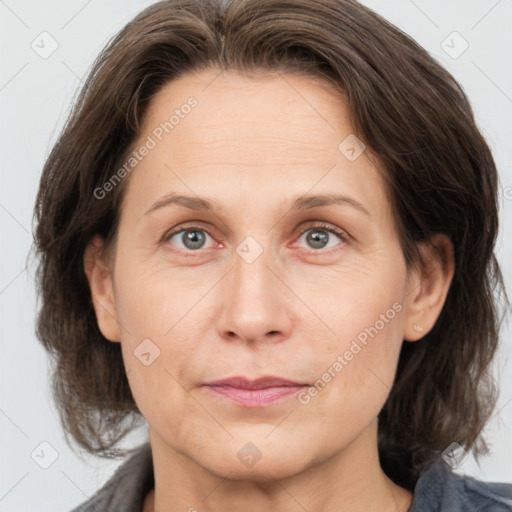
x=268 y=381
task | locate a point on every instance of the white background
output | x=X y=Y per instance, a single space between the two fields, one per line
x=35 y=95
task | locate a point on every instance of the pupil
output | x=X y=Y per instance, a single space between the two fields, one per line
x=193 y=239
x=318 y=239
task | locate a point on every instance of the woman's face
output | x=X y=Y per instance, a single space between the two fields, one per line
x=264 y=281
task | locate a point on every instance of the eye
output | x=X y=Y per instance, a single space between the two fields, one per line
x=191 y=238
x=320 y=236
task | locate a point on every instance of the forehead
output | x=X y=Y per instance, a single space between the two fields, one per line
x=265 y=134
x=270 y=107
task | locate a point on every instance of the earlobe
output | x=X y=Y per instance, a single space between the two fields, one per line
x=428 y=287
x=102 y=290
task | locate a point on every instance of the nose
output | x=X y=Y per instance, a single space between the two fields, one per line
x=256 y=303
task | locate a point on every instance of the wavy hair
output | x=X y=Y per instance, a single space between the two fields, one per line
x=410 y=111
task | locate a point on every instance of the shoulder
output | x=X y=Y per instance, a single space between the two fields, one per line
x=126 y=489
x=439 y=489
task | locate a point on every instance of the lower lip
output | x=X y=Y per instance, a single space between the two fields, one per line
x=255 y=397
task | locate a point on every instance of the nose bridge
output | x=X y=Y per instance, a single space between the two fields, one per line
x=254 y=304
x=251 y=280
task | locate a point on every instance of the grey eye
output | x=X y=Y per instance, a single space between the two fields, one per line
x=317 y=238
x=191 y=239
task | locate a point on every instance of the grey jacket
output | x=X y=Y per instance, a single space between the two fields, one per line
x=438 y=490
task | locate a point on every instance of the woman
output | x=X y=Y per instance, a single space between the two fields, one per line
x=267 y=230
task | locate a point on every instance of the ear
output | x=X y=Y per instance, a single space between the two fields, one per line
x=428 y=287
x=102 y=289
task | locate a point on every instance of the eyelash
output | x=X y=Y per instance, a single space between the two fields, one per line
x=343 y=235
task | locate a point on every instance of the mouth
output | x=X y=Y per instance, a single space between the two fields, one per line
x=255 y=393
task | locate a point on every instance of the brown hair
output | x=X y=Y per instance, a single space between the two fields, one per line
x=405 y=107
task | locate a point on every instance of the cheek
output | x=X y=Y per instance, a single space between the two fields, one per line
x=157 y=341
x=354 y=380
x=152 y=300
x=158 y=347
x=359 y=362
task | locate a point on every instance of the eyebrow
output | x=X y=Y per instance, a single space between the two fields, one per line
x=302 y=203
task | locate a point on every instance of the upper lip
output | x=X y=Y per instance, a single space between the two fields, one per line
x=268 y=381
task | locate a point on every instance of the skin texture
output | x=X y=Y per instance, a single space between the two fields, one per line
x=253 y=145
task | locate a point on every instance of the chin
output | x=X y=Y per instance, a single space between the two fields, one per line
x=255 y=464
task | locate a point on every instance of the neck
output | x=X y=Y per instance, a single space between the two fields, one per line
x=349 y=481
